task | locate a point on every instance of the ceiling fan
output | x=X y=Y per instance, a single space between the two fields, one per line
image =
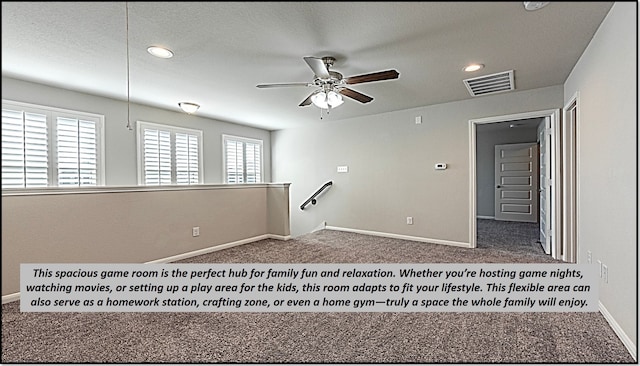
x=331 y=85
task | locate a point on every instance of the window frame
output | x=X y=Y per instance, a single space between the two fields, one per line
x=52 y=114
x=172 y=129
x=244 y=140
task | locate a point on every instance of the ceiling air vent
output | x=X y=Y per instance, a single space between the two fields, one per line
x=490 y=84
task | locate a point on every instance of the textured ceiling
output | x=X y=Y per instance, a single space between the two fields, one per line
x=224 y=49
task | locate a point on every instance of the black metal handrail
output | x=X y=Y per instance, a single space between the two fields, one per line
x=312 y=199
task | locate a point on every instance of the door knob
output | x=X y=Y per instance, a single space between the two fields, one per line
x=498 y=186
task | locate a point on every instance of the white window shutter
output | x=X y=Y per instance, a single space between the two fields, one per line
x=234 y=162
x=169 y=155
x=253 y=159
x=157 y=157
x=187 y=166
x=24 y=149
x=243 y=160
x=47 y=147
x=77 y=152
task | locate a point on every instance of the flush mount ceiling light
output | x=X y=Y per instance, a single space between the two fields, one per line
x=535 y=5
x=189 y=107
x=160 y=51
x=473 y=67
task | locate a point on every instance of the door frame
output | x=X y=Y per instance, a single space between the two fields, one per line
x=570 y=182
x=555 y=117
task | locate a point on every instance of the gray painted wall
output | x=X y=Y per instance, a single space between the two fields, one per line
x=487 y=138
x=134 y=225
x=391 y=166
x=120 y=151
x=606 y=79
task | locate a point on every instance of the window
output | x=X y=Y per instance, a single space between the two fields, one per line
x=50 y=147
x=242 y=159
x=168 y=155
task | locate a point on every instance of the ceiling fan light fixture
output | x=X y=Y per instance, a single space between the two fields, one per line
x=334 y=99
x=327 y=100
x=160 y=52
x=320 y=100
x=189 y=107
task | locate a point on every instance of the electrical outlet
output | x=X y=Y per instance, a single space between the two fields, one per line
x=588 y=256
x=195 y=231
x=409 y=220
x=605 y=273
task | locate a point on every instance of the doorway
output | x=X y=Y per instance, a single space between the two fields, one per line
x=551 y=120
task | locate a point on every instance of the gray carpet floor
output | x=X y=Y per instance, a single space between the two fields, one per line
x=325 y=337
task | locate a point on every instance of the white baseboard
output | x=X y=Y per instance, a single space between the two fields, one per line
x=279 y=237
x=486 y=217
x=399 y=236
x=10 y=298
x=632 y=348
x=217 y=248
x=322 y=226
x=16 y=296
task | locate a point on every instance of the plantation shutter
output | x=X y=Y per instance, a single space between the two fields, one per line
x=253 y=162
x=243 y=160
x=77 y=152
x=235 y=161
x=157 y=157
x=169 y=155
x=187 y=169
x=24 y=149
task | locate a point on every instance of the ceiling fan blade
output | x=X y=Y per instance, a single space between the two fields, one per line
x=376 y=76
x=282 y=85
x=318 y=67
x=307 y=101
x=355 y=95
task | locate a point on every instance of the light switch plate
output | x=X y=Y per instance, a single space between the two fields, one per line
x=343 y=169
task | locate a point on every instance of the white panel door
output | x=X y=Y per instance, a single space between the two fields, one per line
x=544 y=136
x=516 y=177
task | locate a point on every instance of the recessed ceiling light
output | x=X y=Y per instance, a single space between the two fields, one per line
x=473 y=67
x=535 y=5
x=160 y=51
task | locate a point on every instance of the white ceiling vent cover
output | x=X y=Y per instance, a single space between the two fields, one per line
x=490 y=84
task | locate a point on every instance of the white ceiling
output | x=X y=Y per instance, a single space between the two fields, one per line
x=224 y=49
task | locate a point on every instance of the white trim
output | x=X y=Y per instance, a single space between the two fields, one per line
x=322 y=226
x=571 y=202
x=279 y=237
x=473 y=210
x=10 y=298
x=123 y=189
x=216 y=248
x=555 y=115
x=624 y=338
x=400 y=236
x=486 y=217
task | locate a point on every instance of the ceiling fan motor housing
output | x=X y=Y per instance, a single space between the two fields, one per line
x=332 y=83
